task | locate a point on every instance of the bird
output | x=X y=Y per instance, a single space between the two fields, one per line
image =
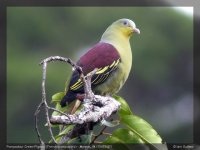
x=112 y=59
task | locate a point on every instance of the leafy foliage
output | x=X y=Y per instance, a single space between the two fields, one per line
x=135 y=129
x=57 y=97
x=123 y=135
x=125 y=109
x=141 y=128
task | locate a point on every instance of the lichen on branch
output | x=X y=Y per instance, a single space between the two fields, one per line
x=95 y=107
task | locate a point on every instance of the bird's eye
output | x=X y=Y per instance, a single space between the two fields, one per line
x=125 y=23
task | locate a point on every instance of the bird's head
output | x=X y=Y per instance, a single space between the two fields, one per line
x=122 y=27
x=125 y=26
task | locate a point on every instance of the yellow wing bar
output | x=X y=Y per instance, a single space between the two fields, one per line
x=99 y=77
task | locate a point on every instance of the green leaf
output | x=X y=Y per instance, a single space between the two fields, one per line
x=124 y=109
x=57 y=97
x=122 y=138
x=143 y=130
x=118 y=145
x=122 y=135
x=62 y=133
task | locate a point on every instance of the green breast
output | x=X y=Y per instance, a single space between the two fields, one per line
x=114 y=83
x=117 y=79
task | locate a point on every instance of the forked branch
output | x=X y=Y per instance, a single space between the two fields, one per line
x=95 y=107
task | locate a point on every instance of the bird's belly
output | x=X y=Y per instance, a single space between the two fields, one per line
x=113 y=84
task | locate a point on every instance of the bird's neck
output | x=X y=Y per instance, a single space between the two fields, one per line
x=113 y=37
x=117 y=39
x=122 y=44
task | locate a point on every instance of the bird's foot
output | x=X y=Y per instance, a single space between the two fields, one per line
x=80 y=97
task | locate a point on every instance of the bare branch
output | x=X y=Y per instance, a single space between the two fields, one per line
x=44 y=100
x=91 y=112
x=95 y=107
x=59 y=58
x=36 y=122
x=57 y=110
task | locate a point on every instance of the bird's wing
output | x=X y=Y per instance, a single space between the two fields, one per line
x=103 y=57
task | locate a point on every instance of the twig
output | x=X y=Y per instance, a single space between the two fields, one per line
x=59 y=58
x=57 y=110
x=44 y=100
x=36 y=122
x=87 y=84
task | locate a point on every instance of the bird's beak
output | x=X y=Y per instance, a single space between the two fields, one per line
x=136 y=30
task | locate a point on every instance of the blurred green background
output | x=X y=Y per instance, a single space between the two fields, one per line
x=159 y=88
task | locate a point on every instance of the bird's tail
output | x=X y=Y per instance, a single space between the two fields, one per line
x=68 y=98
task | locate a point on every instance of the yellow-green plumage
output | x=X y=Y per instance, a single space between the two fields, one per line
x=112 y=57
x=118 y=35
